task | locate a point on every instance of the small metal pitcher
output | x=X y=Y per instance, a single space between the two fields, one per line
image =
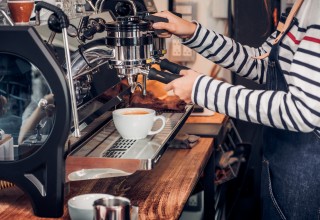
x=114 y=208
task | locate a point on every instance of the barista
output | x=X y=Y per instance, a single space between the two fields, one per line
x=289 y=107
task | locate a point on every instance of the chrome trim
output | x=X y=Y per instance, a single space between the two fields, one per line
x=36 y=183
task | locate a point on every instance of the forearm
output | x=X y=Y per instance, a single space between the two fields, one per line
x=276 y=109
x=229 y=54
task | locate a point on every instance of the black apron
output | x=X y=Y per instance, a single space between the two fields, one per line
x=290 y=181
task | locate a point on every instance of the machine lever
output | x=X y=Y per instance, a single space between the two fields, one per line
x=161 y=76
x=96 y=26
x=165 y=64
x=88 y=34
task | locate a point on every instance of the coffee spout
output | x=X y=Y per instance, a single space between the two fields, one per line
x=132 y=81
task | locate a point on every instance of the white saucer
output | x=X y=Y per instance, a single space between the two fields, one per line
x=87 y=174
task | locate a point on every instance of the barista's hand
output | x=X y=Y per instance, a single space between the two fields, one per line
x=49 y=98
x=175 y=25
x=182 y=86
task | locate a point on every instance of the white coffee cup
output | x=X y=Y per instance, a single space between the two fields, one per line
x=81 y=207
x=136 y=123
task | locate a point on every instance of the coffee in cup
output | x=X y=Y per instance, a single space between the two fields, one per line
x=136 y=123
x=20 y=11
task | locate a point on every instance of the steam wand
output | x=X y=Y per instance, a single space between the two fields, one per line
x=60 y=23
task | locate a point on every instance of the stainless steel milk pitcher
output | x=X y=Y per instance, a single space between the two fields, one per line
x=114 y=208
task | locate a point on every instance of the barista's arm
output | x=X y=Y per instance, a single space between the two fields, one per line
x=230 y=54
x=222 y=50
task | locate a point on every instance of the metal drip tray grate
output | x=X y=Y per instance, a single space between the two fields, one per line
x=119 y=148
x=107 y=143
x=113 y=153
x=123 y=144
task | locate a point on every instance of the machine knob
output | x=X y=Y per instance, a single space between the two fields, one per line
x=123 y=9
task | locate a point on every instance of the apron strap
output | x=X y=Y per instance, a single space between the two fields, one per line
x=282 y=28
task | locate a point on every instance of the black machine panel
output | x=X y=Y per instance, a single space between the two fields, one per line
x=35 y=161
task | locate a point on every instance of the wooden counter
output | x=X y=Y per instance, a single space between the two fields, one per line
x=217 y=118
x=160 y=193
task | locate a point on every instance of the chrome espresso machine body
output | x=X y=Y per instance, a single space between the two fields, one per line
x=130 y=47
x=133 y=45
x=59 y=84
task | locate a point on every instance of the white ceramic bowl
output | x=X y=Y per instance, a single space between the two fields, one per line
x=81 y=207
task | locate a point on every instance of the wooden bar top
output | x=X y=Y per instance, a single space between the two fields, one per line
x=217 y=118
x=160 y=193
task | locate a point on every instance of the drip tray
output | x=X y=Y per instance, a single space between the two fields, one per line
x=107 y=149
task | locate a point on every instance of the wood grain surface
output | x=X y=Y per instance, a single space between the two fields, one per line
x=217 y=118
x=160 y=193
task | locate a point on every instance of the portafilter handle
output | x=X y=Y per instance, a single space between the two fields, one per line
x=155 y=19
x=161 y=76
x=165 y=64
x=165 y=77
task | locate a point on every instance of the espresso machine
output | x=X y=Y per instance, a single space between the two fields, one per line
x=60 y=82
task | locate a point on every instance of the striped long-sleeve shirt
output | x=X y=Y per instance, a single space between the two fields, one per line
x=299 y=57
